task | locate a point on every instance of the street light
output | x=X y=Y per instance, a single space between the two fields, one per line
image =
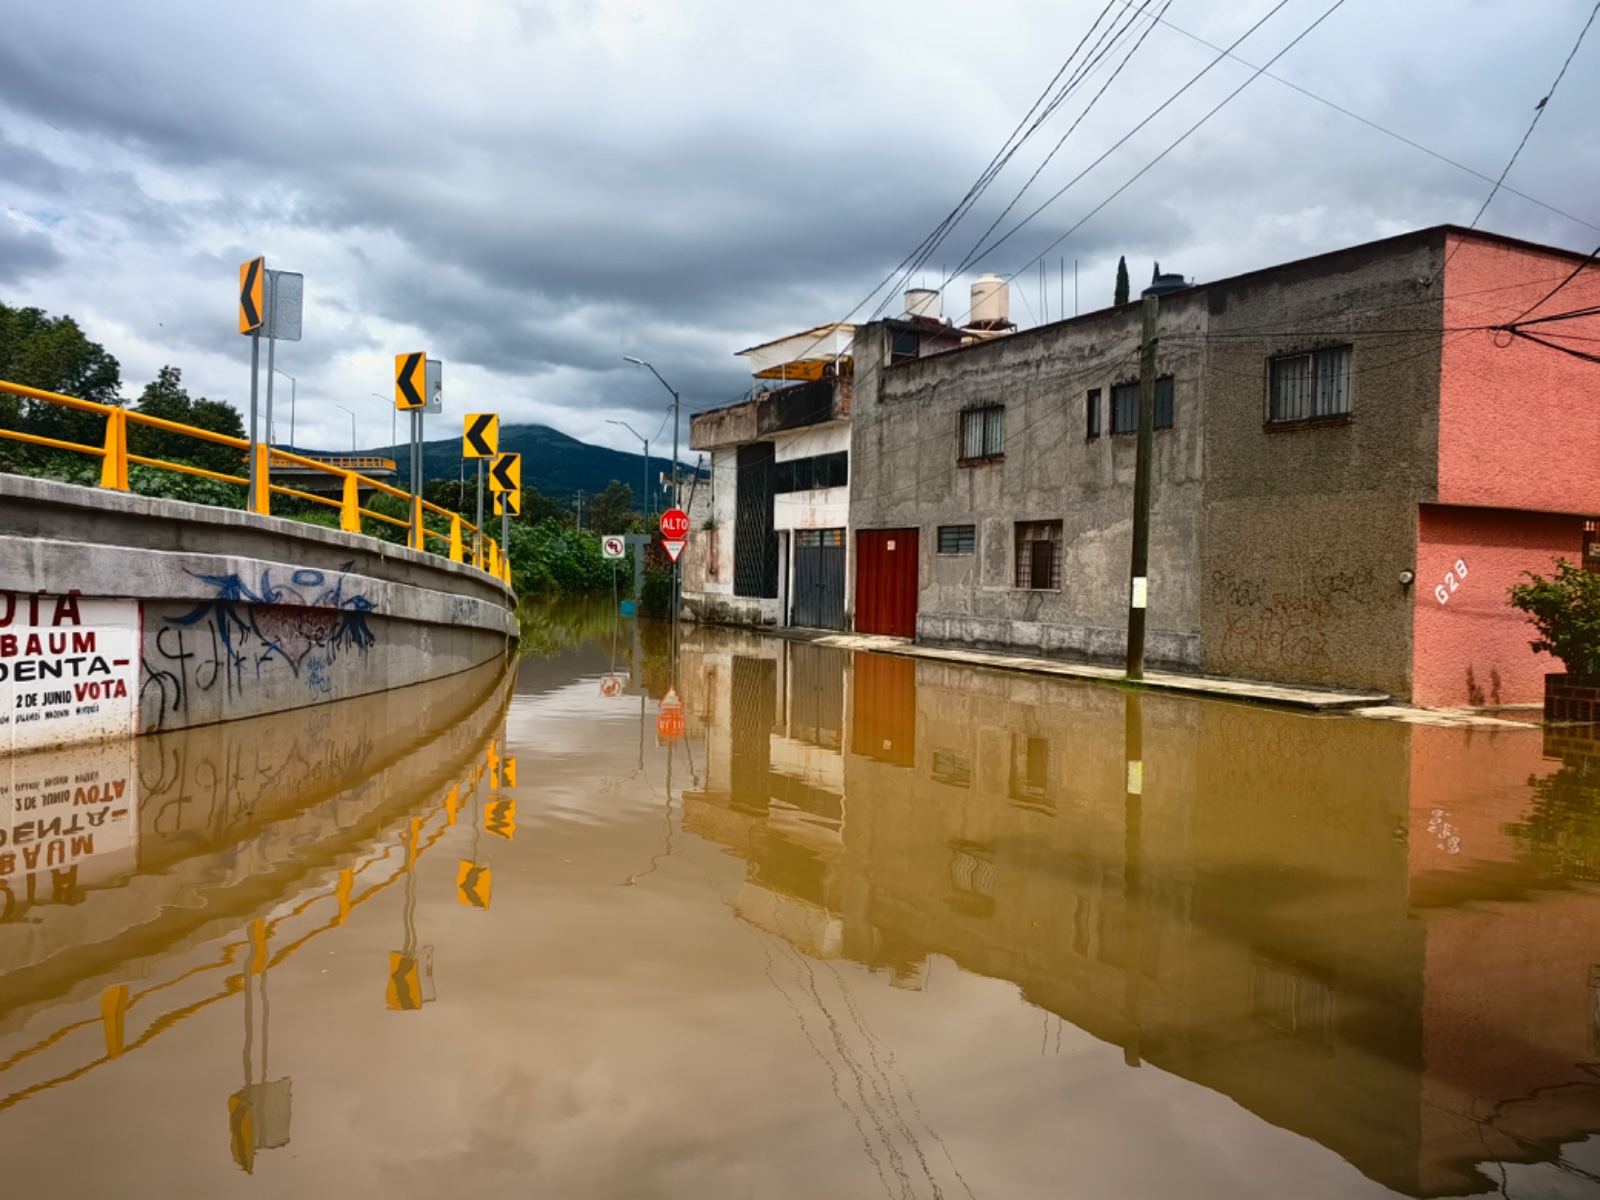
x=293 y=386
x=646 y=442
x=639 y=362
x=352 y=428
x=677 y=578
x=394 y=436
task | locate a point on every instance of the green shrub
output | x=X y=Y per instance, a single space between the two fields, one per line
x=1565 y=609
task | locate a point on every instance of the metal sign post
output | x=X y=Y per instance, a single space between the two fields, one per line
x=250 y=317
x=410 y=395
x=480 y=439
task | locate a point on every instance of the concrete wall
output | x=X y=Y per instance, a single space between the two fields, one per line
x=904 y=474
x=234 y=614
x=1307 y=529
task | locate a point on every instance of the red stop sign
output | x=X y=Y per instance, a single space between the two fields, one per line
x=670 y=724
x=675 y=523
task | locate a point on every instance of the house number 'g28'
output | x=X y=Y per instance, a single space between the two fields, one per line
x=1452 y=580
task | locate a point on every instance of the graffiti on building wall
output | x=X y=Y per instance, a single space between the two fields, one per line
x=242 y=633
x=1287 y=629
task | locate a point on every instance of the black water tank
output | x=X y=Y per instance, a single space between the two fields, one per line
x=1165 y=284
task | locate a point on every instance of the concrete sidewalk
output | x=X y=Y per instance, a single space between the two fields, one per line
x=1376 y=704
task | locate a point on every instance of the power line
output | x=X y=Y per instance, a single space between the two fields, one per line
x=979 y=249
x=1541 y=301
x=1538 y=112
x=1367 y=121
x=1097 y=54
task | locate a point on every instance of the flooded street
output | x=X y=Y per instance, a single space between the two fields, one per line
x=872 y=926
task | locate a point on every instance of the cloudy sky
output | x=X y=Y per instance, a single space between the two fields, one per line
x=531 y=189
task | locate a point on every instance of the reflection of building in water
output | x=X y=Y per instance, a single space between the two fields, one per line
x=1349 y=927
x=774 y=784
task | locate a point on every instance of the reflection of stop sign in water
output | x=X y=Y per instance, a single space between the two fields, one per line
x=669 y=724
x=675 y=523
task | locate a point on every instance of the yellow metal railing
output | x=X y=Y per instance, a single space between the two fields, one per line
x=115 y=459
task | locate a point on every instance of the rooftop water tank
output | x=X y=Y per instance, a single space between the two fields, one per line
x=922 y=304
x=1164 y=284
x=991 y=303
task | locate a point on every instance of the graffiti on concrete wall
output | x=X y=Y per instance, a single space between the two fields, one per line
x=1287 y=629
x=245 y=632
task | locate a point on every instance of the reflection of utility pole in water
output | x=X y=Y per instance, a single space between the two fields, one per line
x=258 y=1113
x=1132 y=870
x=410 y=968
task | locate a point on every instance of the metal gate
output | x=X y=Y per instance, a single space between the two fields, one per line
x=819 y=578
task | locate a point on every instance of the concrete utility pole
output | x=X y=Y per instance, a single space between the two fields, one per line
x=1139 y=570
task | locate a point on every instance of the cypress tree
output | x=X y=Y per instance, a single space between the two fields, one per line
x=1122 y=281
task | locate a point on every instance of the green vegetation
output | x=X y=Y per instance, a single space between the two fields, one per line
x=549 y=555
x=1565 y=609
x=1563 y=827
x=1121 y=296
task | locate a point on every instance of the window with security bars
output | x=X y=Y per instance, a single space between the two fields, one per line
x=1309 y=387
x=1039 y=555
x=1125 y=406
x=983 y=433
x=958 y=539
x=1091 y=408
x=819 y=537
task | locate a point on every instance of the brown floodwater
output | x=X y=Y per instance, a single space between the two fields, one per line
x=870 y=927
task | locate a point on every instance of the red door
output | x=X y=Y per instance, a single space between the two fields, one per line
x=886 y=582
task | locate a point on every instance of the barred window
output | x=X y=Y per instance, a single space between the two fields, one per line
x=983 y=433
x=1306 y=387
x=1039 y=555
x=958 y=539
x=1092 y=414
x=817 y=471
x=1164 y=402
x=952 y=768
x=1125 y=408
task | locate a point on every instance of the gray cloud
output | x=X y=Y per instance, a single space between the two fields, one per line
x=532 y=191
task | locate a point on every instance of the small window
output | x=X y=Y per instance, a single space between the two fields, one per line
x=1164 y=402
x=1030 y=769
x=904 y=346
x=958 y=539
x=1091 y=408
x=983 y=433
x=1310 y=387
x=1039 y=555
x=1125 y=408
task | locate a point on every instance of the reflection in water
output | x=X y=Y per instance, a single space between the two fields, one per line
x=265 y=834
x=1366 y=932
x=371 y=937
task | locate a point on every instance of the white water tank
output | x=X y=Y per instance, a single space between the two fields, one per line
x=923 y=304
x=991 y=302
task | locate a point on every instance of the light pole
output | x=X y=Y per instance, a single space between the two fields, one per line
x=293 y=387
x=394 y=435
x=646 y=442
x=352 y=427
x=677 y=598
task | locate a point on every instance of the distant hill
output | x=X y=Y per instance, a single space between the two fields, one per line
x=558 y=465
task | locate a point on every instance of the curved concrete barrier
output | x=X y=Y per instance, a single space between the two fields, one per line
x=123 y=614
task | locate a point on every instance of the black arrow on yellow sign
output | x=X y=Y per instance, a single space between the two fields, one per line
x=472 y=884
x=505 y=502
x=251 y=277
x=506 y=474
x=482 y=438
x=410 y=380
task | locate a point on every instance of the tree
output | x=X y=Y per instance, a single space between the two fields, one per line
x=538 y=508
x=612 y=510
x=1565 y=609
x=53 y=355
x=1122 y=281
x=165 y=397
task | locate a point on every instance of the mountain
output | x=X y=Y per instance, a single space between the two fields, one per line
x=558 y=465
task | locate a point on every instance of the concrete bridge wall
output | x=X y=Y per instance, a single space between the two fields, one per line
x=123 y=614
